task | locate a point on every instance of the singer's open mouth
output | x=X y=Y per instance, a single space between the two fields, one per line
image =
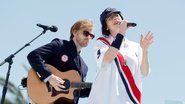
x=117 y=23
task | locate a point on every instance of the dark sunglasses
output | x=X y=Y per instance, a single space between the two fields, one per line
x=86 y=33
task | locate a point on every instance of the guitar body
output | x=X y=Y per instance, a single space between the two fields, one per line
x=38 y=90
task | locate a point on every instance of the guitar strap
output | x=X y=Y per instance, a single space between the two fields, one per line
x=126 y=76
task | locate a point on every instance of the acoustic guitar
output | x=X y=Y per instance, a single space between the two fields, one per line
x=43 y=93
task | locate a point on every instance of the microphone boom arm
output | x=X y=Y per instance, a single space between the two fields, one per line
x=10 y=61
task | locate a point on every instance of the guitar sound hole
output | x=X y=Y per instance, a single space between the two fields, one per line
x=66 y=84
x=64 y=90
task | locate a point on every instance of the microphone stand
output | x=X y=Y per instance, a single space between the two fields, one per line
x=10 y=61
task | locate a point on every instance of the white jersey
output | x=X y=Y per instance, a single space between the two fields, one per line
x=110 y=87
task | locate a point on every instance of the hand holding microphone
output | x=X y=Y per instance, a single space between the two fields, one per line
x=124 y=25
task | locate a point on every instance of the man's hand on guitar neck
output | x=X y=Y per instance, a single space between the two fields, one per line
x=56 y=82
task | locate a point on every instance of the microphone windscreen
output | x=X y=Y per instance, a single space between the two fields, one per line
x=53 y=28
x=131 y=24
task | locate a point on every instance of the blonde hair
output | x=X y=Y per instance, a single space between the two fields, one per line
x=85 y=24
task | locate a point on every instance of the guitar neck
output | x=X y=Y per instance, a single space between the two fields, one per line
x=81 y=85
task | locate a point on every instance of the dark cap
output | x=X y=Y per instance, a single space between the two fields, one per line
x=107 y=12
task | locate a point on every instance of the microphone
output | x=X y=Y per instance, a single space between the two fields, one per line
x=52 y=28
x=131 y=24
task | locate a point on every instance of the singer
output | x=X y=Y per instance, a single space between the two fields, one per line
x=64 y=56
x=122 y=64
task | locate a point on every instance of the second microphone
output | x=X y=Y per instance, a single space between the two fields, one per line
x=51 y=28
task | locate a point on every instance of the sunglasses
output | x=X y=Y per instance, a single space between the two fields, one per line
x=86 y=33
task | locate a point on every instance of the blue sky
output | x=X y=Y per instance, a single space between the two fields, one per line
x=165 y=18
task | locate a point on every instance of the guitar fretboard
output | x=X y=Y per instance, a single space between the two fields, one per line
x=81 y=84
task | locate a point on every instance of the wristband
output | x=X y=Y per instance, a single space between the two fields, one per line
x=118 y=40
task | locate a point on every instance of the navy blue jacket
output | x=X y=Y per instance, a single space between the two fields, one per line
x=61 y=54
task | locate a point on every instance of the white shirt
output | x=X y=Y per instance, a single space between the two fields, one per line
x=108 y=87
